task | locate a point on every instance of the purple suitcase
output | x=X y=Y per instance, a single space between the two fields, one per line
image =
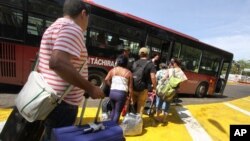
x=109 y=131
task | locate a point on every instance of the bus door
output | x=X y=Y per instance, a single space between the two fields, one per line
x=223 y=76
x=165 y=56
x=158 y=46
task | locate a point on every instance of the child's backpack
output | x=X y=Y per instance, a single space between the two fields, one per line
x=139 y=82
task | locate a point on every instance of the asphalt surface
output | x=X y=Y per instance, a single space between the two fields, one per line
x=194 y=119
x=232 y=91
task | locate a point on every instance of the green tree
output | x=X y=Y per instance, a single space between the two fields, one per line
x=239 y=66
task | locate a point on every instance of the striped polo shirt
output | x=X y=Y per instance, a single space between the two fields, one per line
x=66 y=36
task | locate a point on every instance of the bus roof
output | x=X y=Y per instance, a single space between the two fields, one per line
x=141 y=20
x=152 y=24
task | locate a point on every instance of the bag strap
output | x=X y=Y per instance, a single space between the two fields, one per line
x=35 y=66
x=173 y=72
x=144 y=66
x=69 y=88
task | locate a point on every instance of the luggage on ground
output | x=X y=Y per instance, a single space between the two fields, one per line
x=96 y=131
x=17 y=128
x=132 y=123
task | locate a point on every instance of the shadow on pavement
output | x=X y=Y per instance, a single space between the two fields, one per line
x=11 y=89
x=217 y=125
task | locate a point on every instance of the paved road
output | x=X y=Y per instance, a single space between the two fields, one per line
x=187 y=122
x=231 y=92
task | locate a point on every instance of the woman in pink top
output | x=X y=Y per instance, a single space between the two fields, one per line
x=121 y=86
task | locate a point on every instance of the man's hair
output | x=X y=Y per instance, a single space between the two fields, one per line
x=122 y=61
x=74 y=7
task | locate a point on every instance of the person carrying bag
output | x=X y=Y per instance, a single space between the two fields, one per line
x=62 y=53
x=37 y=98
x=167 y=87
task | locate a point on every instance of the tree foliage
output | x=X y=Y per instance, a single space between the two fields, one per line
x=239 y=66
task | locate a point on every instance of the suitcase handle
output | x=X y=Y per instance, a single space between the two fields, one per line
x=86 y=95
x=98 y=111
x=94 y=127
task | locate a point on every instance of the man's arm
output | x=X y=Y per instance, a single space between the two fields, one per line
x=153 y=76
x=60 y=63
x=108 y=78
x=153 y=80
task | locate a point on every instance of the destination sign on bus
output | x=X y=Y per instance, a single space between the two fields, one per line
x=101 y=61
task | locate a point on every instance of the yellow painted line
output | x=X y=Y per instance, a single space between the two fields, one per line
x=4 y=114
x=237 y=108
x=217 y=118
x=242 y=104
x=174 y=130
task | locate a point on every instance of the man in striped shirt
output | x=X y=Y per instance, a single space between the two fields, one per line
x=62 y=53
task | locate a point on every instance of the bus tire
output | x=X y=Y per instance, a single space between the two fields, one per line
x=201 y=90
x=219 y=86
x=96 y=77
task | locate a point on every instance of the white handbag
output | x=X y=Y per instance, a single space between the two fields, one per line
x=37 y=98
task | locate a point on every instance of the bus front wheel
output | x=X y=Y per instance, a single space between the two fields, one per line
x=201 y=90
x=96 y=77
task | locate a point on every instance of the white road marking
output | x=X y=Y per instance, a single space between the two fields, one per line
x=237 y=108
x=2 y=125
x=194 y=128
x=246 y=99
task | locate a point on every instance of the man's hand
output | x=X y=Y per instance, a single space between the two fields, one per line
x=154 y=91
x=96 y=93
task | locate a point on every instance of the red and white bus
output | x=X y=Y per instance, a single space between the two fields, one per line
x=22 y=23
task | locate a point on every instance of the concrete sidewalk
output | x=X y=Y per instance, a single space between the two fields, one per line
x=7 y=100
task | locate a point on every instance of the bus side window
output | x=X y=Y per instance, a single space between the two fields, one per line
x=190 y=57
x=114 y=41
x=101 y=39
x=11 y=22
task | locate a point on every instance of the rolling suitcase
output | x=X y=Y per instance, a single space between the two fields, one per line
x=104 y=131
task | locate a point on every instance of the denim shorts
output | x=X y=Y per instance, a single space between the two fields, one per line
x=161 y=104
